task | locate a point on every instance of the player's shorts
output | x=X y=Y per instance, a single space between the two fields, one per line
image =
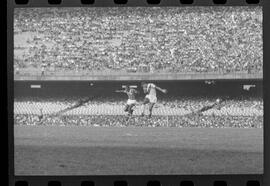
x=150 y=98
x=131 y=102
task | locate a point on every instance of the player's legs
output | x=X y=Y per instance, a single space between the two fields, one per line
x=130 y=109
x=152 y=100
x=151 y=106
x=126 y=108
x=145 y=102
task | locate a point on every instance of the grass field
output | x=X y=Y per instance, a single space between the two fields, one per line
x=56 y=150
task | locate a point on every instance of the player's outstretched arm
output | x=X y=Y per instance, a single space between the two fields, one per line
x=123 y=91
x=161 y=90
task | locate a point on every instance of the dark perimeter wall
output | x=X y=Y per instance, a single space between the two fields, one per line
x=107 y=88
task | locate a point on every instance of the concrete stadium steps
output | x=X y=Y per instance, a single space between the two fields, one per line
x=107 y=109
x=35 y=75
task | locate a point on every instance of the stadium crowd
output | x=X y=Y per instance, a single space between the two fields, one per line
x=40 y=111
x=185 y=102
x=102 y=40
x=210 y=121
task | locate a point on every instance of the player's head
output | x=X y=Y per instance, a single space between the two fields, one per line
x=126 y=88
x=143 y=84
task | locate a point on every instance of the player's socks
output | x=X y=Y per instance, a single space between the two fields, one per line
x=127 y=118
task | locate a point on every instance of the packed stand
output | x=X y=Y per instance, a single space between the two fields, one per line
x=201 y=121
x=38 y=111
x=121 y=40
x=185 y=102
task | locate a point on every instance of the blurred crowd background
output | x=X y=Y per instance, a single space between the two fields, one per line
x=210 y=121
x=241 y=112
x=32 y=105
x=141 y=39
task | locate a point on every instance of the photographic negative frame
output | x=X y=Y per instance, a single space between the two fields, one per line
x=242 y=179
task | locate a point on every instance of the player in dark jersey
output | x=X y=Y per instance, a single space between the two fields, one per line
x=40 y=116
x=131 y=102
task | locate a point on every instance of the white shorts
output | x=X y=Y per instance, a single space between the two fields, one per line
x=152 y=99
x=131 y=101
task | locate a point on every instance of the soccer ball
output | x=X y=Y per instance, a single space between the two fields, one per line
x=218 y=100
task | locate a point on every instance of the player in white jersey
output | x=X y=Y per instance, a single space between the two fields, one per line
x=151 y=96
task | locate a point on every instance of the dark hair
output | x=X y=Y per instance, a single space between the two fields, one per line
x=143 y=83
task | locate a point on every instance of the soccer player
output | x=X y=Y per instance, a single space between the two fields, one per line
x=40 y=116
x=151 y=96
x=208 y=107
x=131 y=102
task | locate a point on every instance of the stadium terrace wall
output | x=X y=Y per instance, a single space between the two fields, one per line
x=107 y=88
x=141 y=76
